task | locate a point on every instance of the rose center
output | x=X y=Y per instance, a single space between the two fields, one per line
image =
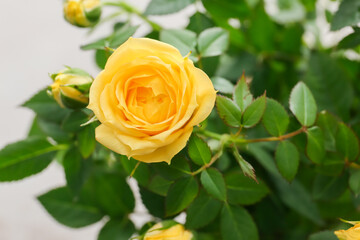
x=154 y=106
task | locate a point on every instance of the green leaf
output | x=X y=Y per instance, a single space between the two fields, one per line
x=229 y=65
x=265 y=159
x=99 y=44
x=350 y=41
x=86 y=140
x=328 y=188
x=202 y=211
x=159 y=185
x=294 y=194
x=209 y=64
x=224 y=9
x=162 y=7
x=117 y=230
x=178 y=168
x=237 y=224
x=199 y=22
x=254 y=112
x=326 y=79
x=213 y=42
x=35 y=129
x=184 y=40
x=291 y=40
x=228 y=111
x=73 y=121
x=60 y=205
x=75 y=170
x=101 y=57
x=154 y=203
x=325 y=235
x=46 y=107
x=142 y=173
x=347 y=142
x=347 y=15
x=25 y=158
x=53 y=130
x=111 y=193
x=180 y=195
x=328 y=123
x=332 y=165
x=222 y=85
x=121 y=35
x=214 y=183
x=303 y=105
x=354 y=182
x=275 y=118
x=243 y=190
x=262 y=30
x=146 y=227
x=199 y=151
x=296 y=197
x=287 y=159
x=315 y=148
x=242 y=94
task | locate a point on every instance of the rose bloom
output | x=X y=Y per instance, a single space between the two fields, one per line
x=176 y=232
x=148 y=99
x=352 y=233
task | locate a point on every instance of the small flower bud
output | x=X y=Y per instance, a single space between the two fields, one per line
x=82 y=13
x=71 y=88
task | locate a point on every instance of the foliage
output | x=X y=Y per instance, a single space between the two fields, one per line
x=278 y=159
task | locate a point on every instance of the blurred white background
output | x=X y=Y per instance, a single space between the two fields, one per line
x=35 y=40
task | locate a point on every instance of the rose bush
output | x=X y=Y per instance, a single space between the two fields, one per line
x=148 y=98
x=278 y=160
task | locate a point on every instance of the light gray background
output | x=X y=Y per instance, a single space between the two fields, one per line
x=35 y=41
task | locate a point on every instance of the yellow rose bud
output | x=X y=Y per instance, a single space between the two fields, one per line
x=71 y=88
x=352 y=233
x=175 y=232
x=148 y=98
x=82 y=13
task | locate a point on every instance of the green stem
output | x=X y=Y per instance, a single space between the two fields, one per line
x=223 y=141
x=212 y=161
x=228 y=140
x=234 y=139
x=210 y=134
x=270 y=139
x=131 y=9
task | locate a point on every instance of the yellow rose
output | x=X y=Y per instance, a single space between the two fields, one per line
x=352 y=233
x=148 y=98
x=176 y=232
x=82 y=13
x=71 y=88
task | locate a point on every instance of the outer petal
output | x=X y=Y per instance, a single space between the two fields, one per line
x=107 y=137
x=135 y=48
x=166 y=153
x=205 y=94
x=95 y=92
